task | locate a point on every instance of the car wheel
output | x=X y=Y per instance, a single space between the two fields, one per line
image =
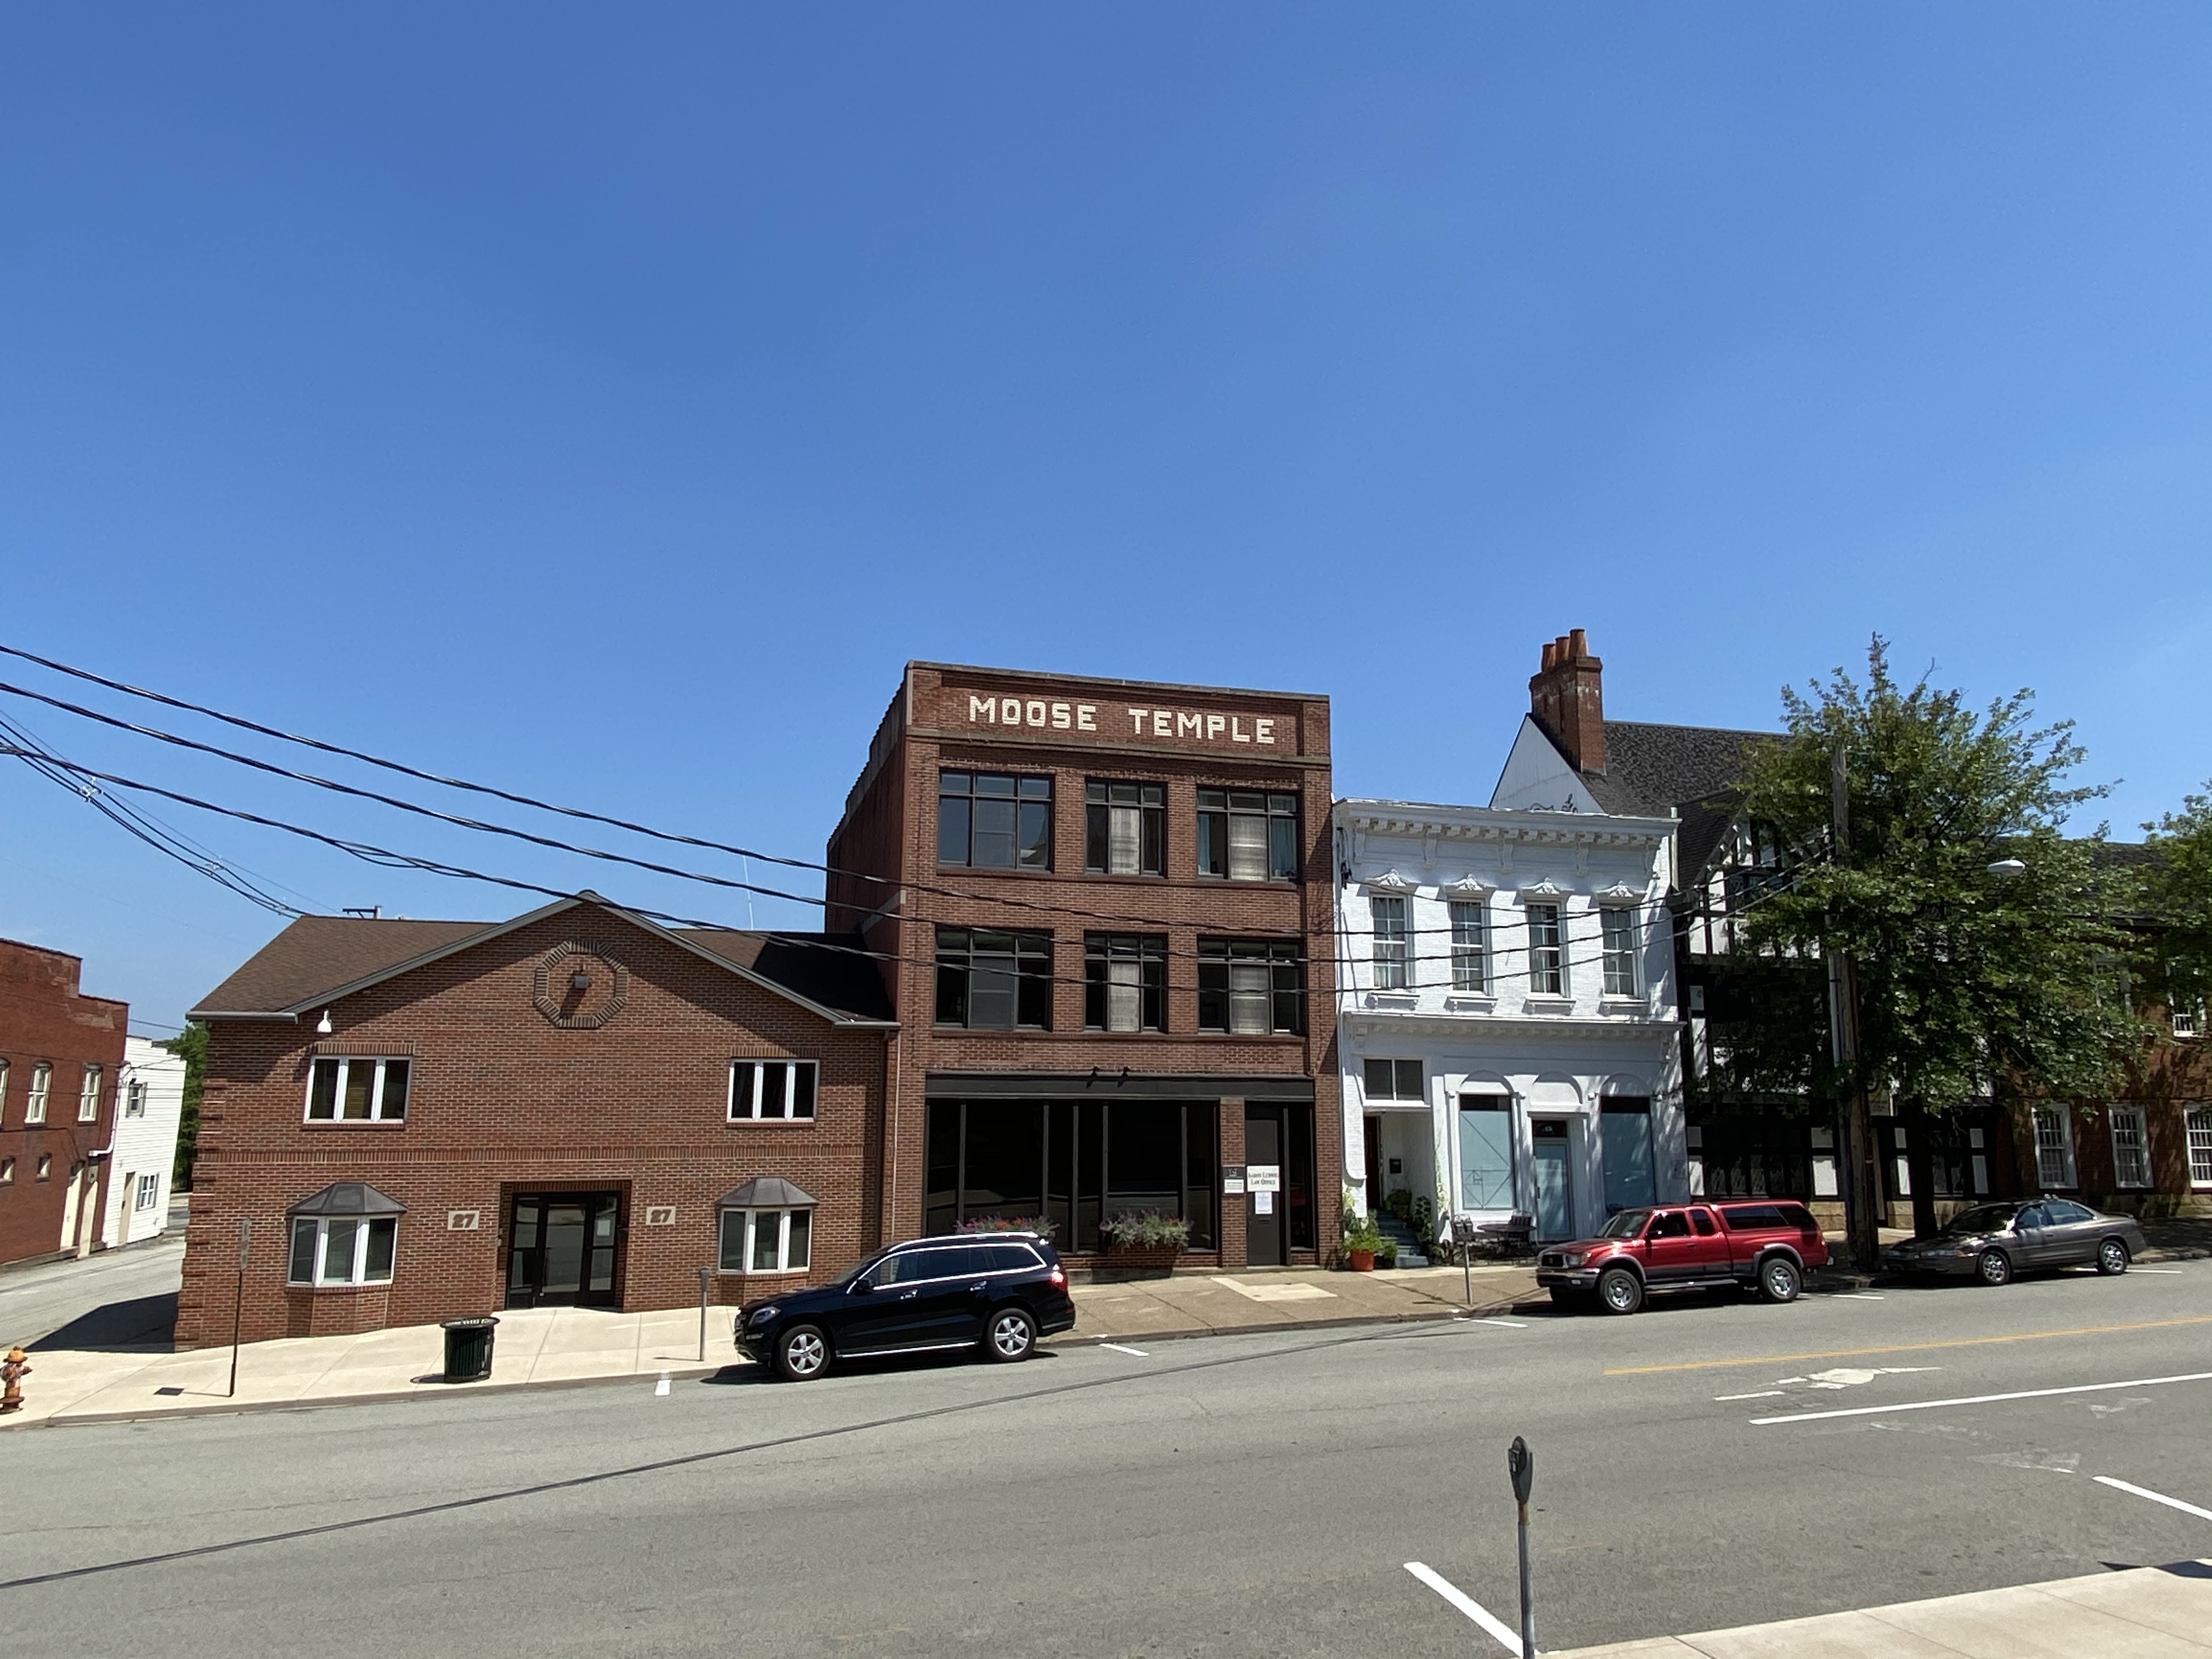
x=1011 y=1335
x=1779 y=1279
x=2111 y=1257
x=802 y=1353
x=1994 y=1268
x=1619 y=1291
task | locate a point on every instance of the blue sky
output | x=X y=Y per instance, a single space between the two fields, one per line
x=604 y=403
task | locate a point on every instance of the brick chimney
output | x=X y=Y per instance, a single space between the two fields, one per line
x=1567 y=697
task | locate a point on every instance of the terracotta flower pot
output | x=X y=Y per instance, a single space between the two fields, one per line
x=1362 y=1262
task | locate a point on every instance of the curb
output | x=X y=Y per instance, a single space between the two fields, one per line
x=1442 y=1313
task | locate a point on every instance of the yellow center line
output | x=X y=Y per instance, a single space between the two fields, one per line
x=1901 y=1347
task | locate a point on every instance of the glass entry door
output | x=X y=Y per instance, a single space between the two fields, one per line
x=560 y=1250
x=1555 y=1186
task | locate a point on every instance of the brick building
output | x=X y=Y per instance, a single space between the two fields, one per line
x=578 y=1106
x=61 y=1052
x=1103 y=911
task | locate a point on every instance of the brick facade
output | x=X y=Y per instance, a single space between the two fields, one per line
x=886 y=880
x=507 y=1097
x=44 y=1020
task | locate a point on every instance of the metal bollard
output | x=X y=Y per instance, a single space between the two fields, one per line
x=11 y=1371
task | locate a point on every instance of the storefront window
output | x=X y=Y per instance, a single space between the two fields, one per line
x=1485 y=1152
x=1067 y=1163
x=1625 y=1131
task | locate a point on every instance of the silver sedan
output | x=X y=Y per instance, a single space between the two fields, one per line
x=1993 y=1242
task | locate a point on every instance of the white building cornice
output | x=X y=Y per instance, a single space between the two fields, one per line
x=1444 y=825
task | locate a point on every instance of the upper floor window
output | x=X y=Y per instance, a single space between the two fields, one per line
x=42 y=1082
x=88 y=1098
x=2185 y=1011
x=1247 y=835
x=992 y=821
x=1125 y=827
x=1125 y=982
x=1388 y=915
x=355 y=1090
x=993 y=980
x=1548 y=966
x=1250 y=987
x=1470 y=971
x=772 y=1088
x=134 y=1098
x=1617 y=924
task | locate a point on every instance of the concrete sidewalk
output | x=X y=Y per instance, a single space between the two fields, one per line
x=550 y=1347
x=2143 y=1612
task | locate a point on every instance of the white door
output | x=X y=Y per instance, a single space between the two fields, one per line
x=70 y=1202
x=1555 y=1181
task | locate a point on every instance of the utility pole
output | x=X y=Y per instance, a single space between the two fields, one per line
x=1862 y=1190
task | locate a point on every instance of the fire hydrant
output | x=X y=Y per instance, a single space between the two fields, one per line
x=11 y=1399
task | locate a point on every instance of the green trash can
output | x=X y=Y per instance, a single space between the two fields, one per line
x=468 y=1348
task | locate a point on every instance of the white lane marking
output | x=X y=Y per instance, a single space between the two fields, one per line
x=1508 y=1638
x=1763 y=1394
x=2161 y=1270
x=2154 y=1497
x=1510 y=1324
x=661 y=1387
x=1133 y=1353
x=1984 y=1399
x=1860 y=1295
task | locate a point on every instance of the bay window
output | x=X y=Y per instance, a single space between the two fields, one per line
x=341 y=1249
x=778 y=1241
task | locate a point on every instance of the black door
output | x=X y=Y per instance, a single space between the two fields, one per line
x=1264 y=1234
x=560 y=1250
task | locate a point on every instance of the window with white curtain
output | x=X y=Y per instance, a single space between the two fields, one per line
x=1388 y=913
x=1125 y=827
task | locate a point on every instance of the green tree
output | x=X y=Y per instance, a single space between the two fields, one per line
x=191 y=1046
x=1970 y=983
x=2177 y=900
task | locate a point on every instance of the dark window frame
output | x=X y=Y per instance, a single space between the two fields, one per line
x=1278 y=812
x=1027 y=957
x=1150 y=952
x=1028 y=832
x=1284 y=960
x=1150 y=800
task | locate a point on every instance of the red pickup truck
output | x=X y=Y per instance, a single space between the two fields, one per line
x=1766 y=1244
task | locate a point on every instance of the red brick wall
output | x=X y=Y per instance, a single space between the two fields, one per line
x=1182 y=905
x=499 y=1101
x=43 y=1017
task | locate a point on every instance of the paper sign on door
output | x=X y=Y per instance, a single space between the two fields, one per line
x=1263 y=1201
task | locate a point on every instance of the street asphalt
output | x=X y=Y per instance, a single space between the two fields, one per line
x=125 y=1297
x=1233 y=1496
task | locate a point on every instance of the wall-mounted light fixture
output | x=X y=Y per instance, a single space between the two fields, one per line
x=579 y=981
x=323 y=1025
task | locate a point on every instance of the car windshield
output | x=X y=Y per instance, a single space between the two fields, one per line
x=1982 y=1218
x=1627 y=1224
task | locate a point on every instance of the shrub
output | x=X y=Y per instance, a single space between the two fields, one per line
x=1146 y=1230
x=1042 y=1226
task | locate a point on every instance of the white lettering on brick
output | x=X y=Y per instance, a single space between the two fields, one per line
x=1264 y=730
x=987 y=707
x=1137 y=719
x=1086 y=717
x=1237 y=731
x=1063 y=717
x=1190 y=725
x=1214 y=723
x=1036 y=711
x=1010 y=712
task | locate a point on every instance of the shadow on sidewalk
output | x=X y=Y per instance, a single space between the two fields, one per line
x=145 y=1322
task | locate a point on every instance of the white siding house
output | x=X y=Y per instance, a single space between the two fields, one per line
x=1506 y=1011
x=150 y=1105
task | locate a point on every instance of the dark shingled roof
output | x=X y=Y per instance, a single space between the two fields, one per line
x=1650 y=768
x=348 y=1198
x=318 y=956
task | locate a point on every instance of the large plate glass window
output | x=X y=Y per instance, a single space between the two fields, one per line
x=1485 y=1152
x=993 y=980
x=772 y=1088
x=1125 y=827
x=354 y=1089
x=766 y=1241
x=1250 y=987
x=1617 y=925
x=1388 y=914
x=1548 y=966
x=1247 y=835
x=341 y=1249
x=1125 y=982
x=1624 y=1145
x=994 y=821
x=2054 y=1147
x=1470 y=972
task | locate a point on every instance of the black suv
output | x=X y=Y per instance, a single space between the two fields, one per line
x=998 y=1291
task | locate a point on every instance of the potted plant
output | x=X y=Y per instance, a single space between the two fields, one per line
x=1143 y=1242
x=1361 y=1242
x=1042 y=1226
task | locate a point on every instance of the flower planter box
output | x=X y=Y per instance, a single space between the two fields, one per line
x=1137 y=1261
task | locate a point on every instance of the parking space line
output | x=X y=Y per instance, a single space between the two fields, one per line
x=2161 y=1270
x=2154 y=1497
x=1903 y=1348
x=1762 y=1394
x=1510 y=1324
x=1860 y=1295
x=1133 y=1353
x=1984 y=1399
x=661 y=1388
x=1507 y=1637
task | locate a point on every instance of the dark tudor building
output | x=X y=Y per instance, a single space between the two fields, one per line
x=1103 y=912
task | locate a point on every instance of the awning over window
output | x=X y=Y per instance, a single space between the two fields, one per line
x=348 y=1198
x=767 y=1193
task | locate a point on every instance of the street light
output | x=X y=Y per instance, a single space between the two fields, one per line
x=2007 y=869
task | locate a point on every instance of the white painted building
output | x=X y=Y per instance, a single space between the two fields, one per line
x=150 y=1106
x=1506 y=1012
